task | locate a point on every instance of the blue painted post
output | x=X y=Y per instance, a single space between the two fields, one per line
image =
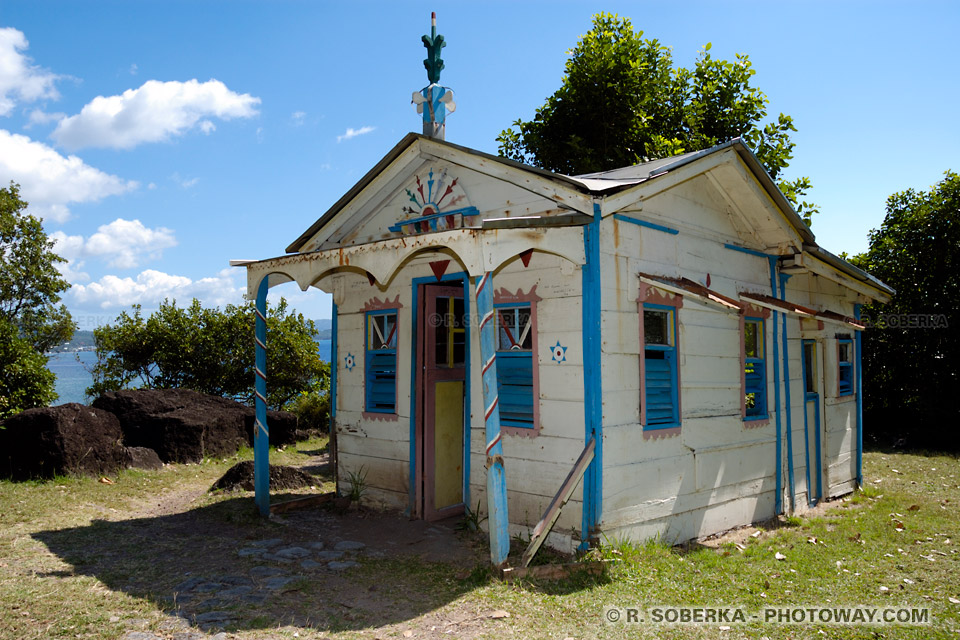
x=497 y=515
x=786 y=392
x=858 y=348
x=333 y=369
x=778 y=498
x=261 y=435
x=592 y=379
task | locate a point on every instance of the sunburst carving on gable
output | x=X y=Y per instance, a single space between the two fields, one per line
x=436 y=202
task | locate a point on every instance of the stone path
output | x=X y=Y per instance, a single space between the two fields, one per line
x=218 y=600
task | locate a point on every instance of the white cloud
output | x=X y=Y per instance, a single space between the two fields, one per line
x=38 y=116
x=207 y=127
x=184 y=183
x=353 y=133
x=150 y=288
x=133 y=69
x=155 y=112
x=298 y=117
x=19 y=80
x=124 y=244
x=50 y=181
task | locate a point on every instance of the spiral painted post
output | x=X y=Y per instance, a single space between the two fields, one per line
x=261 y=435
x=497 y=516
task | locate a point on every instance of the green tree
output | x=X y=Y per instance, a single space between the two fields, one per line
x=622 y=102
x=208 y=350
x=31 y=320
x=912 y=367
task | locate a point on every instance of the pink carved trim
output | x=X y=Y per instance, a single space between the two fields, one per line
x=660 y=434
x=376 y=304
x=382 y=417
x=651 y=295
x=754 y=311
x=504 y=296
x=756 y=424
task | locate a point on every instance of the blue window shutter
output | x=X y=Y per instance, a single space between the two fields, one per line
x=515 y=387
x=756 y=383
x=661 y=379
x=380 y=369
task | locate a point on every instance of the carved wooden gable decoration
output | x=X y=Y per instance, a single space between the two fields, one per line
x=435 y=202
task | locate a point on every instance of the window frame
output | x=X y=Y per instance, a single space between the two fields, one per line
x=370 y=355
x=517 y=355
x=754 y=316
x=671 y=353
x=847 y=365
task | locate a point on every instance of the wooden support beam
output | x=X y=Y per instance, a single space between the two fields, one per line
x=563 y=495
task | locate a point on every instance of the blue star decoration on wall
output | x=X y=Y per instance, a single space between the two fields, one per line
x=559 y=352
x=349 y=362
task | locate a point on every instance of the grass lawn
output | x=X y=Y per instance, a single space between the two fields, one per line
x=84 y=559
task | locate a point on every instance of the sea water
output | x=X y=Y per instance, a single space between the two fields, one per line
x=74 y=371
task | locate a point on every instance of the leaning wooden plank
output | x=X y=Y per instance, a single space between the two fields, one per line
x=553 y=509
x=553 y=571
x=302 y=503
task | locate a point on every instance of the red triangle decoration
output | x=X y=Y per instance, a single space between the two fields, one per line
x=525 y=257
x=371 y=279
x=439 y=268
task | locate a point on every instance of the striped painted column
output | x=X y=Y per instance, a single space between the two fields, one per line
x=497 y=517
x=261 y=435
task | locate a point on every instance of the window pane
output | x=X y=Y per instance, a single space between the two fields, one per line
x=809 y=362
x=845 y=352
x=514 y=328
x=752 y=340
x=382 y=331
x=656 y=327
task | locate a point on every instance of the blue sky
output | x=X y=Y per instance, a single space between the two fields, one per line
x=159 y=140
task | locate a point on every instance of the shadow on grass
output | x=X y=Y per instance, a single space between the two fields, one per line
x=211 y=567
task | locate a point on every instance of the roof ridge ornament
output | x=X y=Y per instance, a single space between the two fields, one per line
x=433 y=101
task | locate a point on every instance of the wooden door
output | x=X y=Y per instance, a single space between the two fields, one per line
x=442 y=390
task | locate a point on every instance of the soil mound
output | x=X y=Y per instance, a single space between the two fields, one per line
x=240 y=476
x=68 y=439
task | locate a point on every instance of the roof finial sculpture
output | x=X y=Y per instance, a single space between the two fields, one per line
x=433 y=101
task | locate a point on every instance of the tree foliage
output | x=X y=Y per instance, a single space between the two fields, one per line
x=623 y=101
x=31 y=320
x=913 y=366
x=208 y=350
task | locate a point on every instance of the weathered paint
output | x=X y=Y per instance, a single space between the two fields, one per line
x=497 y=514
x=644 y=223
x=448 y=443
x=261 y=433
x=592 y=378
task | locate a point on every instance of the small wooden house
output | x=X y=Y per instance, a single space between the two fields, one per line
x=673 y=323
